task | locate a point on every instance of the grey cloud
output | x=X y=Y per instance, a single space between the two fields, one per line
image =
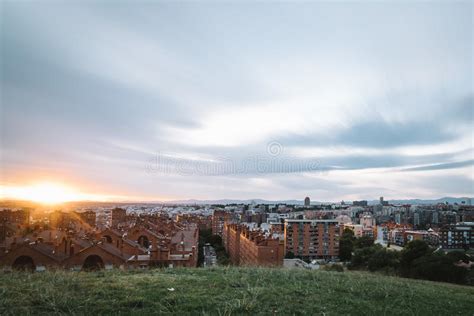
x=65 y=109
x=376 y=132
x=442 y=166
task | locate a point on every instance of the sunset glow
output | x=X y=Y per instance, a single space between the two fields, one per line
x=279 y=102
x=46 y=193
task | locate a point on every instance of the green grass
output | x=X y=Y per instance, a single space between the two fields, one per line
x=228 y=291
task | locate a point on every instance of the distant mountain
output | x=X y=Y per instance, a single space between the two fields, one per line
x=231 y=201
x=16 y=203
x=450 y=200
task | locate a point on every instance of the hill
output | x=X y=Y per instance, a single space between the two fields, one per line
x=225 y=291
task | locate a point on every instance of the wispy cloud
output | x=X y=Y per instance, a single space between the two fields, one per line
x=357 y=91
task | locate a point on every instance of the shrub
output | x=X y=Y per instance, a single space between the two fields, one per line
x=383 y=259
x=334 y=267
x=438 y=267
x=412 y=251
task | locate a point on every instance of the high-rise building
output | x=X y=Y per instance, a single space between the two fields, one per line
x=398 y=218
x=312 y=239
x=416 y=219
x=382 y=202
x=307 y=201
x=219 y=218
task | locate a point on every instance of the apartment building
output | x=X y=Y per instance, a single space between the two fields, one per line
x=312 y=239
x=252 y=247
x=459 y=236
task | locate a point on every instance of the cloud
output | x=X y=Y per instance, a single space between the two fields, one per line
x=442 y=166
x=92 y=93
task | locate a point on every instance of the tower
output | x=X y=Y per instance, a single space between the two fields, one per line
x=307 y=201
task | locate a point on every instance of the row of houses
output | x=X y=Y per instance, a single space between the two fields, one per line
x=145 y=242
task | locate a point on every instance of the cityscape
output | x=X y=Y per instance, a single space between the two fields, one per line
x=236 y=157
x=305 y=235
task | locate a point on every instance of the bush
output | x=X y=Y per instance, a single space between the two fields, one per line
x=334 y=267
x=417 y=261
x=363 y=242
x=412 y=251
x=438 y=267
x=384 y=259
x=361 y=257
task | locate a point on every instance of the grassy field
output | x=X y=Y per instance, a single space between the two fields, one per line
x=228 y=291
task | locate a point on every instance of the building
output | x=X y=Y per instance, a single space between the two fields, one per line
x=435 y=217
x=202 y=221
x=360 y=231
x=459 y=236
x=362 y=203
x=119 y=215
x=416 y=219
x=60 y=219
x=312 y=239
x=218 y=219
x=231 y=242
x=367 y=221
x=88 y=217
x=307 y=201
x=252 y=247
x=398 y=218
x=146 y=241
x=429 y=236
x=20 y=217
x=382 y=202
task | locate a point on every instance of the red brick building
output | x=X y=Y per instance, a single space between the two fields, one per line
x=88 y=217
x=153 y=241
x=312 y=239
x=202 y=221
x=119 y=215
x=252 y=248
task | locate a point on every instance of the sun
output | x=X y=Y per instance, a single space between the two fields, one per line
x=44 y=192
x=51 y=193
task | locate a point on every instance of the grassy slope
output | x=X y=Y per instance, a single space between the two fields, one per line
x=229 y=291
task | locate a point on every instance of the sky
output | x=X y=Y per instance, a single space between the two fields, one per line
x=237 y=100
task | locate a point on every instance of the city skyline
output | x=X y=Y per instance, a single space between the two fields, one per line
x=210 y=101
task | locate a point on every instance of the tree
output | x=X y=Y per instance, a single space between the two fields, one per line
x=346 y=245
x=204 y=235
x=375 y=258
x=438 y=267
x=456 y=256
x=383 y=259
x=214 y=240
x=413 y=250
x=361 y=257
x=364 y=241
